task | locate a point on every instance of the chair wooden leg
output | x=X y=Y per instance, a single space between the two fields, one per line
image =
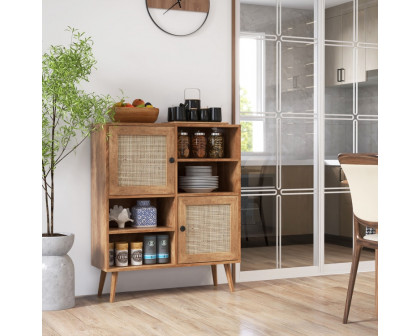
x=376 y=280
x=114 y=279
x=101 y=283
x=229 y=277
x=214 y=274
x=352 y=280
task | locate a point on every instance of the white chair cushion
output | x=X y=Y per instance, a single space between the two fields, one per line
x=373 y=237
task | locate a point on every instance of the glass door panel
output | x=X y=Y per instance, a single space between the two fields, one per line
x=259 y=17
x=297 y=233
x=338 y=228
x=339 y=20
x=338 y=139
x=258 y=232
x=257 y=73
x=297 y=78
x=297 y=153
x=367 y=136
x=297 y=18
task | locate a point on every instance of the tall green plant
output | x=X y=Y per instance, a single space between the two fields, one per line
x=69 y=115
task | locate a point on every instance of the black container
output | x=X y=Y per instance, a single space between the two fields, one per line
x=192 y=115
x=215 y=114
x=193 y=103
x=179 y=113
x=149 y=249
x=171 y=113
x=204 y=114
x=162 y=249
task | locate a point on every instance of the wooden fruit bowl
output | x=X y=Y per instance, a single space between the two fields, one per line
x=136 y=114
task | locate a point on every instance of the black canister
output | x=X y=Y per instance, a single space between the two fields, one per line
x=162 y=249
x=192 y=115
x=149 y=249
x=193 y=103
x=204 y=114
x=215 y=114
x=190 y=101
x=171 y=113
x=180 y=113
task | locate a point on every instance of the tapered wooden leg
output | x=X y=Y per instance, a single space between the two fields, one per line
x=101 y=283
x=113 y=286
x=352 y=280
x=233 y=274
x=229 y=277
x=376 y=279
x=214 y=273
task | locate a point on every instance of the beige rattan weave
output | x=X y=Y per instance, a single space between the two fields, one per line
x=208 y=228
x=141 y=160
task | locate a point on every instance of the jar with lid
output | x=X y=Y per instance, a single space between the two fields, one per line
x=144 y=214
x=216 y=144
x=121 y=254
x=136 y=253
x=199 y=144
x=183 y=145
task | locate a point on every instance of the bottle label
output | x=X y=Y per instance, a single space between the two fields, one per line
x=122 y=257
x=150 y=256
x=137 y=255
x=163 y=256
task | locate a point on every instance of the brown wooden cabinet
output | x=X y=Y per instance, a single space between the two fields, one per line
x=133 y=161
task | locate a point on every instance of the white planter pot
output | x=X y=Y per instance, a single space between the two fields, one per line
x=57 y=273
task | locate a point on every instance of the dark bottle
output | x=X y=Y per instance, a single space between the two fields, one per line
x=162 y=249
x=149 y=249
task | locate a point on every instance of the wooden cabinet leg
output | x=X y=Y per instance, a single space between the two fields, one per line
x=214 y=274
x=113 y=286
x=233 y=274
x=376 y=279
x=229 y=277
x=101 y=283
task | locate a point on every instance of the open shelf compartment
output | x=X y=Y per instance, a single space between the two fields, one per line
x=139 y=237
x=228 y=172
x=166 y=215
x=232 y=150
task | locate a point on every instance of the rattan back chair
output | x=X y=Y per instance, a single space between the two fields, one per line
x=361 y=171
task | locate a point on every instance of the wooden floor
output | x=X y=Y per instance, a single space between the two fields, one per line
x=258 y=258
x=304 y=306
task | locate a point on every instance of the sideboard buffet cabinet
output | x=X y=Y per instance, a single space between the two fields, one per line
x=133 y=161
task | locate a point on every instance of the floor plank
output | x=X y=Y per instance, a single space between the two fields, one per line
x=302 y=306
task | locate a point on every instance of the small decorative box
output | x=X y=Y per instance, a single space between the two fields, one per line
x=144 y=214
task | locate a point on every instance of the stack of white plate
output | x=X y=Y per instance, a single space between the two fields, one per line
x=198 y=179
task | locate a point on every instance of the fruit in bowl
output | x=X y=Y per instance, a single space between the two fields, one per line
x=137 y=102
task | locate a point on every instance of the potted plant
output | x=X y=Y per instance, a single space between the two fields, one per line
x=69 y=116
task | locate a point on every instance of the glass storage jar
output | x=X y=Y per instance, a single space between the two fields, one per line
x=199 y=144
x=183 y=145
x=216 y=145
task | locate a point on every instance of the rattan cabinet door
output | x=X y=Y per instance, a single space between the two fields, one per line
x=208 y=229
x=141 y=160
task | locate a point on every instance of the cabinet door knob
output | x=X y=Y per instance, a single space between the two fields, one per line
x=182 y=228
x=171 y=160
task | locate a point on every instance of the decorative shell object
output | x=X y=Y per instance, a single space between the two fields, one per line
x=120 y=215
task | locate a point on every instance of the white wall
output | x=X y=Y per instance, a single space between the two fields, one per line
x=137 y=57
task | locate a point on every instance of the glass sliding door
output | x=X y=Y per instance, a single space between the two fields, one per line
x=350 y=114
x=296 y=207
